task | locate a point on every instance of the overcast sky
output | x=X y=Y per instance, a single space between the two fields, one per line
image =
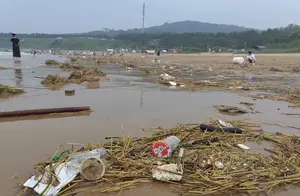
x=67 y=16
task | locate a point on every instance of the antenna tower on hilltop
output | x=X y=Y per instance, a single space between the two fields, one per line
x=144 y=13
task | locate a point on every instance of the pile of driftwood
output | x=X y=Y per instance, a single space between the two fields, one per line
x=214 y=162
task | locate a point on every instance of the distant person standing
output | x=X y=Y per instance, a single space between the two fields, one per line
x=16 y=47
x=251 y=58
x=158 y=52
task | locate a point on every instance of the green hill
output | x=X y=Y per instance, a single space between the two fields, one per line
x=177 y=27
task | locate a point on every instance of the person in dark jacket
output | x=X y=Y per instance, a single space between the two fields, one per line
x=16 y=47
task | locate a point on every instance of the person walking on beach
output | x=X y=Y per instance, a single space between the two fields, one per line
x=16 y=47
x=251 y=58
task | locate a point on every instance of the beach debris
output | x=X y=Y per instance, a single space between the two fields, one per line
x=165 y=148
x=128 y=68
x=69 y=92
x=206 y=161
x=73 y=59
x=210 y=69
x=246 y=103
x=231 y=109
x=242 y=146
x=131 y=162
x=92 y=169
x=52 y=62
x=84 y=74
x=211 y=128
x=219 y=165
x=166 y=77
x=48 y=184
x=43 y=111
x=54 y=80
x=45 y=183
x=224 y=124
x=7 y=90
x=274 y=69
x=296 y=69
x=238 y=60
x=291 y=114
x=173 y=83
x=168 y=172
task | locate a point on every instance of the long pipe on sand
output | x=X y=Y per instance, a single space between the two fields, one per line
x=43 y=111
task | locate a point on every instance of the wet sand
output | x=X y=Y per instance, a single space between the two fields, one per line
x=121 y=107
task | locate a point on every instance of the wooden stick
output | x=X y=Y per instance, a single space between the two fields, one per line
x=43 y=111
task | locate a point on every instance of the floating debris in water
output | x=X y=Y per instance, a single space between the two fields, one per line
x=52 y=62
x=7 y=90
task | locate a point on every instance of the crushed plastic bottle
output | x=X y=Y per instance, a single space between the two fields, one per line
x=76 y=160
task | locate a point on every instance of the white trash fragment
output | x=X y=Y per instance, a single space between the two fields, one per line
x=206 y=81
x=225 y=124
x=173 y=83
x=242 y=146
x=128 y=68
x=168 y=172
x=210 y=69
x=238 y=60
x=166 y=76
x=182 y=85
x=65 y=173
x=219 y=165
x=64 y=176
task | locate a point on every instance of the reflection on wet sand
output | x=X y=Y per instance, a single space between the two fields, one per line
x=18 y=73
x=47 y=116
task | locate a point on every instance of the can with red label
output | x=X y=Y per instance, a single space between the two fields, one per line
x=165 y=148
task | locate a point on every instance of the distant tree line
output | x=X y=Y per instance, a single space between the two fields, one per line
x=284 y=38
x=279 y=38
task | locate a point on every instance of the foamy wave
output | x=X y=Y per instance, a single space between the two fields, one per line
x=10 y=54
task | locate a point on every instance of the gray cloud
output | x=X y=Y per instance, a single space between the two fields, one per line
x=66 y=16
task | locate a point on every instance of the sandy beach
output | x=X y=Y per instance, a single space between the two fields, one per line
x=131 y=101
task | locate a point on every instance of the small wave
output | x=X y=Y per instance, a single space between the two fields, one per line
x=10 y=53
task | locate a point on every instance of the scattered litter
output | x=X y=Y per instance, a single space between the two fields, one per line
x=7 y=90
x=173 y=83
x=167 y=77
x=69 y=92
x=231 y=109
x=212 y=128
x=238 y=60
x=224 y=124
x=210 y=69
x=92 y=169
x=244 y=147
x=219 y=165
x=246 y=103
x=52 y=62
x=164 y=148
x=131 y=163
x=168 y=172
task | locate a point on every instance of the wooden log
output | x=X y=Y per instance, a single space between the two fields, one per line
x=43 y=111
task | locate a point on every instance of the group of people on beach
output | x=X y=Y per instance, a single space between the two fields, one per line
x=17 y=53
